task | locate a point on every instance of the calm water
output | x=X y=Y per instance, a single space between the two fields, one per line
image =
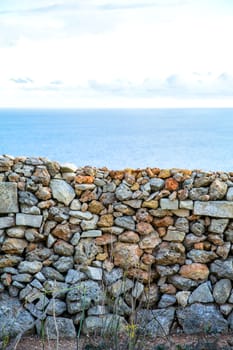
x=190 y=138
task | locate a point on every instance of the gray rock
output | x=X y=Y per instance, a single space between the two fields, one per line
x=64 y=263
x=218 y=225
x=182 y=224
x=85 y=292
x=155 y=322
x=56 y=289
x=201 y=256
x=222 y=290
x=187 y=204
x=55 y=307
x=198 y=228
x=31 y=267
x=14 y=319
x=62 y=327
x=202 y=294
x=166 y=301
x=226 y=309
x=113 y=276
x=62 y=191
x=108 y=324
x=97 y=310
x=126 y=222
x=7 y=221
x=123 y=193
x=16 y=232
x=90 y=224
x=27 y=198
x=196 y=193
x=120 y=287
x=74 y=276
x=8 y=197
x=182 y=283
x=223 y=268
x=218 y=189
x=156 y=184
x=94 y=273
x=52 y=274
x=119 y=307
x=91 y=233
x=75 y=205
x=218 y=209
x=25 y=209
x=198 y=318
x=229 y=196
x=85 y=187
x=28 y=220
x=137 y=290
x=81 y=215
x=22 y=277
x=75 y=239
x=167 y=204
x=58 y=214
x=167 y=270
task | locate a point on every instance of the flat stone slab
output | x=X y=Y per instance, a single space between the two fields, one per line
x=217 y=209
x=8 y=197
x=7 y=221
x=28 y=220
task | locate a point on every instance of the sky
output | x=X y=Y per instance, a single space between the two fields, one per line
x=116 y=53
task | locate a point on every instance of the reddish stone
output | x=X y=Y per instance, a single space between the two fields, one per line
x=148 y=259
x=62 y=231
x=81 y=179
x=199 y=245
x=161 y=231
x=143 y=215
x=41 y=175
x=168 y=288
x=95 y=207
x=43 y=193
x=144 y=228
x=126 y=255
x=88 y=196
x=164 y=222
x=129 y=237
x=141 y=275
x=171 y=184
x=195 y=271
x=105 y=239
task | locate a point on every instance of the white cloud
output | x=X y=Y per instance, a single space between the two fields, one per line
x=92 y=51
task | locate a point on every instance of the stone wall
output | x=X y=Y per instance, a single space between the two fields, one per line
x=151 y=247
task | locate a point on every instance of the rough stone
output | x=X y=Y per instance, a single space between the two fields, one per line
x=6 y=221
x=31 y=267
x=222 y=290
x=63 y=248
x=126 y=222
x=202 y=294
x=199 y=317
x=195 y=271
x=218 y=209
x=218 y=189
x=218 y=225
x=156 y=184
x=62 y=191
x=222 y=268
x=166 y=203
x=62 y=231
x=8 y=197
x=201 y=256
x=14 y=245
x=63 y=327
x=126 y=255
x=155 y=322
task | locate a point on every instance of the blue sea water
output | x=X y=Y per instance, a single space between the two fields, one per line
x=165 y=138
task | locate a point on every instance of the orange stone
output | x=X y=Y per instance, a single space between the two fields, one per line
x=164 y=173
x=141 y=275
x=148 y=259
x=144 y=228
x=164 y=222
x=168 y=288
x=195 y=271
x=129 y=237
x=105 y=221
x=199 y=245
x=82 y=179
x=117 y=175
x=171 y=184
x=126 y=255
x=105 y=239
x=62 y=231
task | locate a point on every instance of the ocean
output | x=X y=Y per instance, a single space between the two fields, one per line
x=122 y=138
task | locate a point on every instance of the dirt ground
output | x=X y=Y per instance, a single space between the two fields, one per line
x=175 y=342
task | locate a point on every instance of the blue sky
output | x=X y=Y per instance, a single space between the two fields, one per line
x=118 y=53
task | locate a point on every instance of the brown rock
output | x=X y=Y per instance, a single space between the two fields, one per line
x=153 y=204
x=126 y=255
x=148 y=259
x=62 y=231
x=8 y=260
x=46 y=204
x=170 y=254
x=105 y=221
x=216 y=239
x=14 y=245
x=107 y=238
x=117 y=175
x=183 y=194
x=41 y=175
x=63 y=248
x=141 y=275
x=129 y=237
x=161 y=231
x=95 y=207
x=43 y=193
x=81 y=179
x=171 y=184
x=101 y=256
x=135 y=187
x=88 y=196
x=194 y=271
x=168 y=288
x=144 y=228
x=164 y=173
x=164 y=222
x=199 y=245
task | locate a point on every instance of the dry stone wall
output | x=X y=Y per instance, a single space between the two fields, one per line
x=100 y=248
